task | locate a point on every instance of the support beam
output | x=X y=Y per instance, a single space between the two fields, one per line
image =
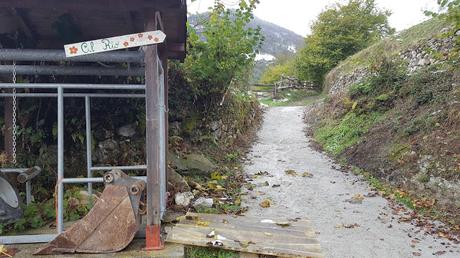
x=60 y=168
x=85 y=5
x=164 y=62
x=59 y=56
x=152 y=90
x=70 y=70
x=24 y=24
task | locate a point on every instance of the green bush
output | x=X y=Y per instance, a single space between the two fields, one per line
x=360 y=89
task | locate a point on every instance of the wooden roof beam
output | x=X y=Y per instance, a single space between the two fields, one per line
x=22 y=22
x=161 y=5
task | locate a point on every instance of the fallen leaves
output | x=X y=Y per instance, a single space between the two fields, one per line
x=245 y=244
x=202 y=223
x=218 y=176
x=424 y=203
x=290 y=172
x=348 y=226
x=416 y=254
x=4 y=251
x=283 y=224
x=307 y=174
x=356 y=199
x=263 y=173
x=265 y=203
x=215 y=186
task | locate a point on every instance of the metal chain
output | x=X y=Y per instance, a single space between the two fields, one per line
x=14 y=129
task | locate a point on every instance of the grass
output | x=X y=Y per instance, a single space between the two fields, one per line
x=293 y=98
x=402 y=197
x=335 y=137
x=203 y=252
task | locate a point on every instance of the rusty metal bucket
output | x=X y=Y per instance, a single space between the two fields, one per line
x=110 y=225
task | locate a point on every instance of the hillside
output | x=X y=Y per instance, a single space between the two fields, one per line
x=278 y=41
x=393 y=114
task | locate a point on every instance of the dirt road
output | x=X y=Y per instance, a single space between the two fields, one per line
x=344 y=228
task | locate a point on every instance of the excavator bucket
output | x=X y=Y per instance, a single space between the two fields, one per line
x=109 y=226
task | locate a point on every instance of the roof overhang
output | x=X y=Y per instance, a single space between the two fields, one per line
x=49 y=24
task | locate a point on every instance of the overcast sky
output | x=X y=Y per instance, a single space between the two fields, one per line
x=297 y=15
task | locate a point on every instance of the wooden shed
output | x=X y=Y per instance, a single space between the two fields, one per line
x=32 y=31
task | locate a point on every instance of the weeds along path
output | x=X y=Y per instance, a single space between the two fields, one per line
x=350 y=220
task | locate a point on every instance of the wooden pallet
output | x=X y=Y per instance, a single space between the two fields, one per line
x=251 y=235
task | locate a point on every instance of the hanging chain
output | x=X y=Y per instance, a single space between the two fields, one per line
x=14 y=129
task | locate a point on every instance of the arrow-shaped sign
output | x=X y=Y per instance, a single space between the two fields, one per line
x=114 y=43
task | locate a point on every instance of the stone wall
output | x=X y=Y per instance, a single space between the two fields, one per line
x=431 y=52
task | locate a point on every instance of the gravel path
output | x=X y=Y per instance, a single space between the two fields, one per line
x=282 y=145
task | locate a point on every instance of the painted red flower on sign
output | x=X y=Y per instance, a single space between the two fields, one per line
x=73 y=50
x=125 y=43
x=132 y=39
x=140 y=35
x=156 y=39
x=150 y=37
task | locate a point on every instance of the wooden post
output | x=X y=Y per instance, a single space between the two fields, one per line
x=153 y=229
x=164 y=63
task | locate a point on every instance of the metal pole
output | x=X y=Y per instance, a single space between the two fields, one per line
x=28 y=192
x=93 y=180
x=70 y=70
x=73 y=86
x=73 y=95
x=138 y=167
x=89 y=161
x=60 y=177
x=59 y=55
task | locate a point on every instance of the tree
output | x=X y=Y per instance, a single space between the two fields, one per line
x=449 y=10
x=274 y=72
x=222 y=52
x=339 y=32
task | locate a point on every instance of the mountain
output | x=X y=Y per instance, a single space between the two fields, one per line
x=279 y=42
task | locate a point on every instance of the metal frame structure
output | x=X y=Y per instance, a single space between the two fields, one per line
x=154 y=93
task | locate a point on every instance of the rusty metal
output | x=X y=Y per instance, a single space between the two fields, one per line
x=28 y=175
x=110 y=226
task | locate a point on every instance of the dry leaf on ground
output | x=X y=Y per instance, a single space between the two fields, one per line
x=265 y=203
x=283 y=224
x=290 y=172
x=356 y=199
x=307 y=174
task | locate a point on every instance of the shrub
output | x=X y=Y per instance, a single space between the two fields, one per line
x=337 y=137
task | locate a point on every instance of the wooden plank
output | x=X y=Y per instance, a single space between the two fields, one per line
x=300 y=224
x=248 y=235
x=192 y=237
x=263 y=227
x=236 y=234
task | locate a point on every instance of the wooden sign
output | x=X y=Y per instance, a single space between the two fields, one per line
x=114 y=43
